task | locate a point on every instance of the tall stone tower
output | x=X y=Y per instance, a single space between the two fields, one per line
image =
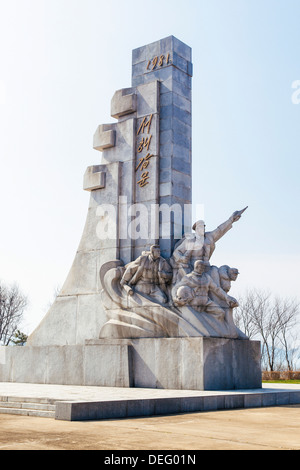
x=145 y=166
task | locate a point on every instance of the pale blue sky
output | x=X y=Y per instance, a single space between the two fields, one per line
x=62 y=60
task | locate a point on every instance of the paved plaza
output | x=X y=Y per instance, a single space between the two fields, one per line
x=252 y=428
x=274 y=428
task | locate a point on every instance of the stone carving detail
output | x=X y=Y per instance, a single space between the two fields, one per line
x=180 y=297
x=194 y=290
x=150 y=274
x=199 y=246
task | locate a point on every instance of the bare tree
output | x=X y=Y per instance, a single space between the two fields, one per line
x=12 y=306
x=273 y=322
x=287 y=311
x=250 y=310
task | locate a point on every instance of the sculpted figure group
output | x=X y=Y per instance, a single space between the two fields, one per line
x=188 y=278
x=151 y=289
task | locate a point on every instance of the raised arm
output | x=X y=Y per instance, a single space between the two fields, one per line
x=220 y=231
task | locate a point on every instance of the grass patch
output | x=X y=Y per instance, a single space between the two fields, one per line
x=281 y=381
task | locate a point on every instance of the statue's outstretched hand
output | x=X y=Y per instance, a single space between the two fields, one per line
x=238 y=214
x=235 y=216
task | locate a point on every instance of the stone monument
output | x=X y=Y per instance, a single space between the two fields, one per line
x=142 y=305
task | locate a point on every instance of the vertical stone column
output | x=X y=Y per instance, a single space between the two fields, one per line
x=169 y=62
x=146 y=181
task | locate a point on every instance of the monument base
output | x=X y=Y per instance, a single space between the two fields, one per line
x=163 y=363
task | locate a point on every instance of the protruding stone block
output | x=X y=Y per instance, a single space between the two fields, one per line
x=94 y=179
x=123 y=102
x=104 y=138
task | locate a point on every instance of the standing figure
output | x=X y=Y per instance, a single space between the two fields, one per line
x=199 y=246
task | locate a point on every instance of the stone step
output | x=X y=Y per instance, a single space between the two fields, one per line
x=27 y=406
x=21 y=399
x=28 y=412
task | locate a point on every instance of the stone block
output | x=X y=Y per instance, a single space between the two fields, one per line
x=167 y=406
x=93 y=179
x=210 y=403
x=166 y=99
x=107 y=365
x=253 y=400
x=68 y=365
x=196 y=364
x=183 y=103
x=166 y=151
x=181 y=63
x=182 y=49
x=166 y=112
x=181 y=139
x=140 y=408
x=124 y=149
x=60 y=364
x=182 y=185
x=294 y=398
x=269 y=399
x=28 y=366
x=104 y=138
x=182 y=78
x=139 y=69
x=181 y=165
x=282 y=399
x=171 y=85
x=239 y=361
x=182 y=115
x=139 y=55
x=124 y=102
x=232 y=401
x=166 y=124
x=184 y=153
x=110 y=194
x=165 y=189
x=182 y=128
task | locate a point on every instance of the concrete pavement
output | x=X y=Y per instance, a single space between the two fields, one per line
x=254 y=427
x=274 y=428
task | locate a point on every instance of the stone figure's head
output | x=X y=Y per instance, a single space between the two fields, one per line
x=183 y=296
x=155 y=251
x=200 y=266
x=233 y=274
x=199 y=227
